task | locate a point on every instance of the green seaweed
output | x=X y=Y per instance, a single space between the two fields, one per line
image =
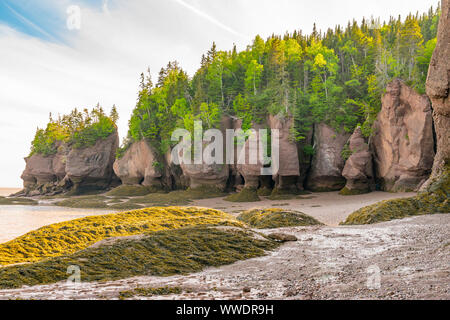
x=246 y=195
x=131 y=191
x=276 y=218
x=179 y=197
x=89 y=202
x=17 y=201
x=160 y=253
x=264 y=192
x=71 y=236
x=283 y=194
x=434 y=200
x=352 y=192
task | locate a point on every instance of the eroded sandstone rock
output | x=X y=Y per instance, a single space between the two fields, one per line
x=438 y=87
x=43 y=174
x=214 y=175
x=138 y=166
x=92 y=167
x=403 y=142
x=289 y=167
x=327 y=163
x=250 y=170
x=358 y=170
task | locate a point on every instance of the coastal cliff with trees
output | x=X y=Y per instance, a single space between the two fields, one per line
x=349 y=103
x=75 y=151
x=361 y=109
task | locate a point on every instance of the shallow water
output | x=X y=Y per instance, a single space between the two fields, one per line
x=18 y=220
x=4 y=192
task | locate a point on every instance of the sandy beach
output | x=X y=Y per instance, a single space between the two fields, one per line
x=329 y=208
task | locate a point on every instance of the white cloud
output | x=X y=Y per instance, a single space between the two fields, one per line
x=209 y=18
x=102 y=61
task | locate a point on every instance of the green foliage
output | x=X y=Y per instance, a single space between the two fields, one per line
x=86 y=136
x=346 y=152
x=337 y=78
x=43 y=143
x=309 y=150
x=423 y=61
x=77 y=129
x=158 y=108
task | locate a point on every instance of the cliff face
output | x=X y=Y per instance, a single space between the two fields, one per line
x=251 y=172
x=92 y=167
x=289 y=170
x=403 y=143
x=215 y=175
x=69 y=168
x=327 y=163
x=137 y=166
x=43 y=175
x=438 y=87
x=358 y=170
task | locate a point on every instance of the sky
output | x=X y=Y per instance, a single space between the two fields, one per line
x=56 y=55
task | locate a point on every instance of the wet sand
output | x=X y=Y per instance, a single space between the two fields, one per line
x=328 y=262
x=329 y=208
x=402 y=259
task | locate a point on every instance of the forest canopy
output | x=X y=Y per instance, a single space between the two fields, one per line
x=336 y=77
x=78 y=129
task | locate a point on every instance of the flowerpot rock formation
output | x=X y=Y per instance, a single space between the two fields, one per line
x=358 y=170
x=403 y=143
x=327 y=163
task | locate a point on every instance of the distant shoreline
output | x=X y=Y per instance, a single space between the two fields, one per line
x=4 y=192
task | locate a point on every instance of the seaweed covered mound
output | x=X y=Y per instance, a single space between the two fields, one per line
x=280 y=194
x=161 y=253
x=246 y=195
x=174 y=198
x=434 y=200
x=17 y=201
x=131 y=191
x=71 y=236
x=87 y=202
x=276 y=218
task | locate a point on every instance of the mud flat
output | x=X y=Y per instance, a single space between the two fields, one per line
x=412 y=256
x=329 y=208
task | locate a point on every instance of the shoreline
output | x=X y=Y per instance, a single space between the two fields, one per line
x=329 y=208
x=6 y=192
x=326 y=263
